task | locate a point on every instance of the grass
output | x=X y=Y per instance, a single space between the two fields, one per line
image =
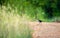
x=12 y=25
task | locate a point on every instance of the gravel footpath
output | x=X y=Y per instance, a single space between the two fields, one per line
x=45 y=29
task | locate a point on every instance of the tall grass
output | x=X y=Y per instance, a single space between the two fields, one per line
x=12 y=25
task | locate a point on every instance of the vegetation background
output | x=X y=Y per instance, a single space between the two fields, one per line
x=45 y=10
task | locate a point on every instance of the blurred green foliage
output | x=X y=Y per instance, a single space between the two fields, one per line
x=50 y=8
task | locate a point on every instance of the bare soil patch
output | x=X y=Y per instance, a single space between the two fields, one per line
x=45 y=29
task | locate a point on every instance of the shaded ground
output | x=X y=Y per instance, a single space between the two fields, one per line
x=45 y=30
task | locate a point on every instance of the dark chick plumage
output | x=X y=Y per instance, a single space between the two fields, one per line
x=39 y=20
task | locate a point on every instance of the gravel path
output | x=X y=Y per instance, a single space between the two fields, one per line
x=45 y=30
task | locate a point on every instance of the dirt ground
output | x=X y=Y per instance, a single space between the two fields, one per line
x=45 y=29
